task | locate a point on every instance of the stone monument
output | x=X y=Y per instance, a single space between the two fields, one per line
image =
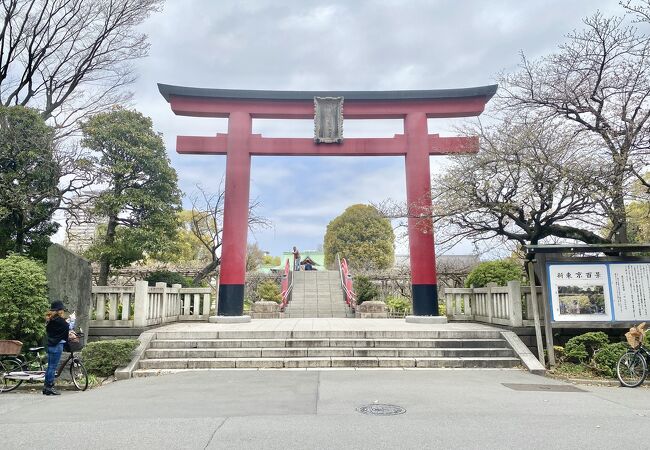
x=69 y=279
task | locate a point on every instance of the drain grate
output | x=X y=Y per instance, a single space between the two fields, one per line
x=542 y=387
x=378 y=409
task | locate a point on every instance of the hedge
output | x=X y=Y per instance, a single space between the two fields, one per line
x=103 y=357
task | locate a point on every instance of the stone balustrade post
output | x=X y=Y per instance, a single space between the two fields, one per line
x=162 y=311
x=174 y=307
x=141 y=304
x=207 y=299
x=490 y=302
x=449 y=307
x=514 y=304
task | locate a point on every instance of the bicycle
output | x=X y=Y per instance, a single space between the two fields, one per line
x=632 y=367
x=18 y=368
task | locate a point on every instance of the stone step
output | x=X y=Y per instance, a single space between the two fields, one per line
x=331 y=342
x=316 y=294
x=323 y=362
x=327 y=352
x=340 y=334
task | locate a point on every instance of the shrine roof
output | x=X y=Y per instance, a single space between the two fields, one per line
x=168 y=91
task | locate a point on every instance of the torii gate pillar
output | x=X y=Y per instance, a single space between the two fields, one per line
x=235 y=218
x=424 y=288
x=416 y=145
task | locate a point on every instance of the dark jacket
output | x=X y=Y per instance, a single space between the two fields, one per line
x=57 y=330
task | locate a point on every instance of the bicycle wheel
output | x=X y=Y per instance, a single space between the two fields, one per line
x=6 y=366
x=78 y=374
x=631 y=369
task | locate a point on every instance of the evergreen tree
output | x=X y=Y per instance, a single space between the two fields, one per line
x=361 y=235
x=141 y=198
x=29 y=174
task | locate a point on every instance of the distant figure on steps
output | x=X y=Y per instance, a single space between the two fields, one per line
x=296 y=259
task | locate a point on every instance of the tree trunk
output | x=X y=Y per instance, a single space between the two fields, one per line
x=620 y=220
x=104 y=262
x=20 y=233
x=207 y=270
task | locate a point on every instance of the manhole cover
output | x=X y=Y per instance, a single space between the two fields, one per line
x=542 y=387
x=378 y=409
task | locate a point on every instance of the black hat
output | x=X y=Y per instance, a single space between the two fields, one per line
x=57 y=305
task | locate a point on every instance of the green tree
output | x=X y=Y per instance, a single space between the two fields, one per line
x=29 y=174
x=187 y=247
x=23 y=299
x=269 y=260
x=499 y=272
x=168 y=277
x=269 y=291
x=141 y=198
x=361 y=235
x=365 y=290
x=638 y=214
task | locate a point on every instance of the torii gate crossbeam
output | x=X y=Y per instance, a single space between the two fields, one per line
x=239 y=144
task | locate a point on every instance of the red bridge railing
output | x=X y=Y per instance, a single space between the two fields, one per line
x=346 y=283
x=286 y=285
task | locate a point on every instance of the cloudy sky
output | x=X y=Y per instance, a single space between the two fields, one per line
x=344 y=45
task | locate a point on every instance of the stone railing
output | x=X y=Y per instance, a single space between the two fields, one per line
x=502 y=305
x=141 y=306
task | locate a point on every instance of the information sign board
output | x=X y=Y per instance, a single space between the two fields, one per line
x=599 y=291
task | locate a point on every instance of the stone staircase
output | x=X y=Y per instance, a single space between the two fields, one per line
x=171 y=351
x=317 y=294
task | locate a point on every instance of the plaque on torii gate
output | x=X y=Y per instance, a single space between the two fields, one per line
x=414 y=107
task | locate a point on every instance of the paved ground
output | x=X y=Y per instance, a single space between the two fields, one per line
x=324 y=324
x=317 y=410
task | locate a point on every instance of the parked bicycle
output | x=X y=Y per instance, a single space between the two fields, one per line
x=17 y=368
x=632 y=367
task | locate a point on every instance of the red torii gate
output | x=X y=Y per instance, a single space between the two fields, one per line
x=239 y=144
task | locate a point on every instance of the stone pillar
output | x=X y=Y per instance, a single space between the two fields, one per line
x=235 y=217
x=514 y=299
x=420 y=229
x=140 y=304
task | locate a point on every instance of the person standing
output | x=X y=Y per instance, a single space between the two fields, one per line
x=57 y=330
x=296 y=259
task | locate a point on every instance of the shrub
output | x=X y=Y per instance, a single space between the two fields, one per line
x=398 y=304
x=582 y=348
x=101 y=358
x=365 y=290
x=269 y=291
x=168 y=277
x=499 y=272
x=606 y=358
x=23 y=299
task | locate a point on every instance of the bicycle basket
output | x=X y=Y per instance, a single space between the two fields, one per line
x=635 y=335
x=74 y=346
x=10 y=347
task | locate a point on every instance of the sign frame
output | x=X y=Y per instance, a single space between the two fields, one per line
x=611 y=295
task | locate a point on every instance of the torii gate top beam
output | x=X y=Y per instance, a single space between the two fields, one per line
x=203 y=102
x=437 y=103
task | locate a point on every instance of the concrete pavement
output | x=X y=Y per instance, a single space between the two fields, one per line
x=285 y=409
